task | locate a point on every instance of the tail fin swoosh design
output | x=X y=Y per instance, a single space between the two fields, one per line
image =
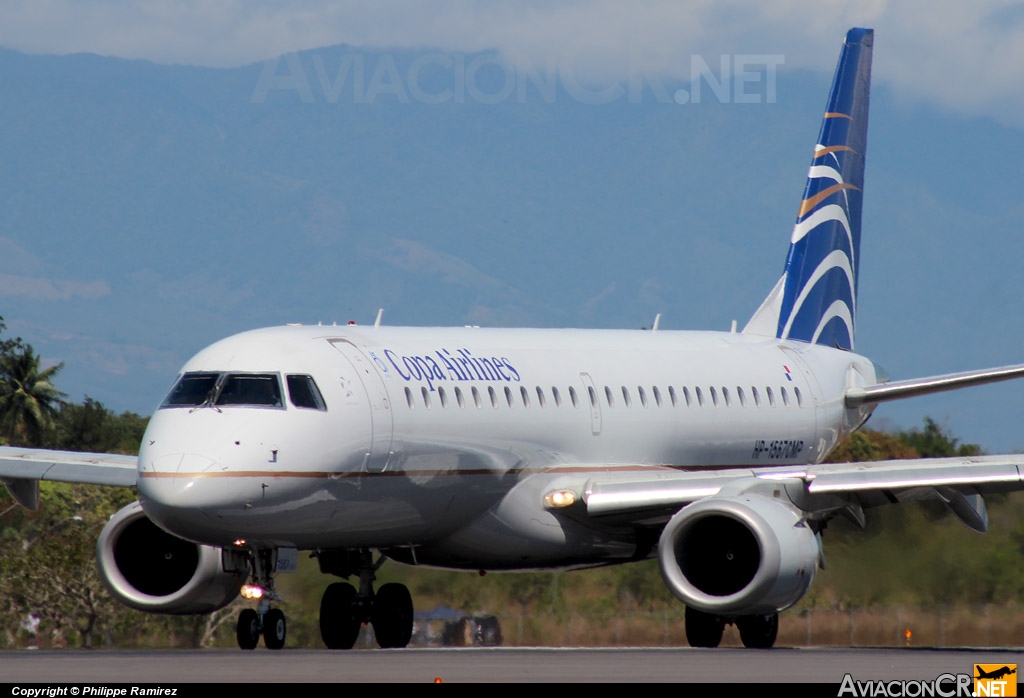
x=819 y=293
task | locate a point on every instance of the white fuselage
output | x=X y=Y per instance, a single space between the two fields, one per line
x=443 y=442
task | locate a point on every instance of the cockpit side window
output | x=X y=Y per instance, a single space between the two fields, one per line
x=192 y=390
x=253 y=389
x=303 y=393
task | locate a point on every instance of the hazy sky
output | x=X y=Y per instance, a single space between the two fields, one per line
x=935 y=171
x=967 y=56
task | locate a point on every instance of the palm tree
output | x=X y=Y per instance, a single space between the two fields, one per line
x=28 y=399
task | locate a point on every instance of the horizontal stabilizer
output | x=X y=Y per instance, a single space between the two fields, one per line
x=897 y=390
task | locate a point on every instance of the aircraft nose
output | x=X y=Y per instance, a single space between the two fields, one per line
x=171 y=485
x=182 y=493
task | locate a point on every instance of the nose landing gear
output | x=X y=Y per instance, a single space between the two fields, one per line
x=248 y=629
x=263 y=621
x=274 y=629
x=266 y=622
x=343 y=611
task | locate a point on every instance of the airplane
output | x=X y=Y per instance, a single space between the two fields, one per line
x=510 y=449
x=995 y=674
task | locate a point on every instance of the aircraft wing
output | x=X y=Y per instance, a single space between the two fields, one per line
x=21 y=469
x=833 y=487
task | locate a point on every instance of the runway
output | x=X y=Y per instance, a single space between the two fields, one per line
x=826 y=665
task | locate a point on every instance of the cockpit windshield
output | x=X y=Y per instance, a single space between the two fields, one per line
x=192 y=390
x=259 y=389
x=226 y=389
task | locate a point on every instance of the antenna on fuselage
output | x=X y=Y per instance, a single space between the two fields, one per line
x=732 y=329
x=380 y=314
x=657 y=321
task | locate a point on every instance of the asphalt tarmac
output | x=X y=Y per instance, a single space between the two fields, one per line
x=826 y=665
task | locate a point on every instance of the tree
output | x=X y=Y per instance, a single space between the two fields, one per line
x=868 y=445
x=90 y=426
x=935 y=442
x=28 y=399
x=8 y=346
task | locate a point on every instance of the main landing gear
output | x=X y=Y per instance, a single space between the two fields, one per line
x=264 y=621
x=343 y=610
x=756 y=632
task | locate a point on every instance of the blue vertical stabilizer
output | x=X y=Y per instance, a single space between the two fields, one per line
x=816 y=299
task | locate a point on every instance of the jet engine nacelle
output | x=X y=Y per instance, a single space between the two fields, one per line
x=737 y=556
x=148 y=569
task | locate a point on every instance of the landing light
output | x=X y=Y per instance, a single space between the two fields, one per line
x=240 y=542
x=251 y=591
x=559 y=499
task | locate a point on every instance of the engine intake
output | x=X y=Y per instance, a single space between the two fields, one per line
x=151 y=570
x=738 y=556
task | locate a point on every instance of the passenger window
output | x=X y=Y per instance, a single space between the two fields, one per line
x=700 y=397
x=250 y=389
x=444 y=398
x=525 y=395
x=643 y=395
x=741 y=396
x=608 y=396
x=476 y=396
x=508 y=395
x=426 y=397
x=556 y=396
x=771 y=396
x=785 y=396
x=458 y=397
x=494 y=397
x=725 y=396
x=625 y=397
x=799 y=397
x=757 y=396
x=593 y=396
x=540 y=396
x=672 y=396
x=574 y=399
x=409 y=400
x=714 y=396
x=657 y=395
